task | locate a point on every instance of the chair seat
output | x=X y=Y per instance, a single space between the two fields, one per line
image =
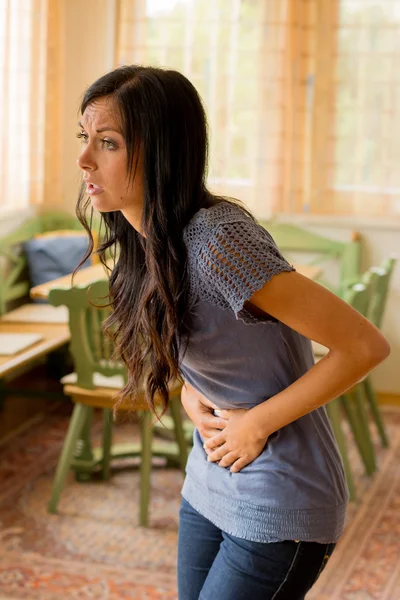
x=104 y=396
x=116 y=382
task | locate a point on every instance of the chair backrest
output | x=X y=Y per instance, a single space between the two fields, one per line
x=369 y=296
x=291 y=238
x=383 y=276
x=14 y=282
x=91 y=349
x=361 y=295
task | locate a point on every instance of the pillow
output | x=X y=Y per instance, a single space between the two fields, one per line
x=94 y=259
x=53 y=256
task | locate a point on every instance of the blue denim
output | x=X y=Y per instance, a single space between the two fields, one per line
x=215 y=565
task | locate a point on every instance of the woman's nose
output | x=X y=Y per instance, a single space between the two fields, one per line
x=85 y=161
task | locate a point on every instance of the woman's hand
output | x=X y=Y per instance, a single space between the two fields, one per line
x=237 y=445
x=201 y=411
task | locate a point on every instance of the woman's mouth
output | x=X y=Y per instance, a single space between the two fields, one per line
x=93 y=189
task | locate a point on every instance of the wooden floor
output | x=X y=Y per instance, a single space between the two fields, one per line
x=19 y=409
x=94 y=545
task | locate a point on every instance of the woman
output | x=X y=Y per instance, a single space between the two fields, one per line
x=201 y=290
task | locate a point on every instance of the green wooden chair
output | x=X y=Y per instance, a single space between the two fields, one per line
x=381 y=276
x=359 y=296
x=384 y=272
x=377 y=280
x=293 y=239
x=370 y=300
x=333 y=409
x=94 y=384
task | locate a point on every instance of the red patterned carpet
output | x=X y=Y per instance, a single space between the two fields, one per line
x=94 y=549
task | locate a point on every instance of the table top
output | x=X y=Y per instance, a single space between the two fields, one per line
x=53 y=336
x=96 y=272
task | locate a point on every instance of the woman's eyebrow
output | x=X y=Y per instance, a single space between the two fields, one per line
x=107 y=128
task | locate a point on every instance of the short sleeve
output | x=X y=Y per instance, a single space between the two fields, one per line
x=236 y=260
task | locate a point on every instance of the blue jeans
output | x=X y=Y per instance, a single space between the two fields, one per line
x=213 y=565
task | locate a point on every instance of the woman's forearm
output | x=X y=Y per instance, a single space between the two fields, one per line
x=328 y=379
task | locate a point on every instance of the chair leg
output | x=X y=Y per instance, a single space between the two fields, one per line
x=175 y=409
x=77 y=421
x=146 y=428
x=333 y=410
x=84 y=449
x=107 y=441
x=358 y=431
x=363 y=416
x=370 y=394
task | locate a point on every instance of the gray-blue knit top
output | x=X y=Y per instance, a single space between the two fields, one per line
x=296 y=488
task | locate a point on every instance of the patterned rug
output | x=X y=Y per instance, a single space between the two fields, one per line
x=93 y=548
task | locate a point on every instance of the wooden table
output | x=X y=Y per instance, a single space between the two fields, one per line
x=54 y=335
x=96 y=272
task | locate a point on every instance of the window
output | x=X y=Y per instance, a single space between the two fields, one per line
x=302 y=96
x=233 y=52
x=30 y=166
x=366 y=175
x=15 y=75
x=342 y=108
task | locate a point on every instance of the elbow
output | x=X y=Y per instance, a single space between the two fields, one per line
x=384 y=350
x=364 y=354
x=376 y=351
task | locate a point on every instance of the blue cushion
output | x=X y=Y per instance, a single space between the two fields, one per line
x=53 y=257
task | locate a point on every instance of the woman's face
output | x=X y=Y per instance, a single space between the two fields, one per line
x=103 y=160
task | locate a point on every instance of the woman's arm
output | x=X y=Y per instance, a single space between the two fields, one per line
x=355 y=347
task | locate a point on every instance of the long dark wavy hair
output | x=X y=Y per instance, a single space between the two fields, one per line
x=162 y=113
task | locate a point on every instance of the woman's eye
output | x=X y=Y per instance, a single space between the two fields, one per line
x=108 y=145
x=82 y=136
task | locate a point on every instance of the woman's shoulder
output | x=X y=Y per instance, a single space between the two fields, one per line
x=208 y=220
x=221 y=212
x=230 y=256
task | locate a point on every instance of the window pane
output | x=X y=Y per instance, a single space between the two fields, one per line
x=221 y=47
x=367 y=109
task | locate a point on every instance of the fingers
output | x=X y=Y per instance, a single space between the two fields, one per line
x=218 y=454
x=215 y=442
x=229 y=459
x=208 y=434
x=232 y=459
x=210 y=427
x=240 y=464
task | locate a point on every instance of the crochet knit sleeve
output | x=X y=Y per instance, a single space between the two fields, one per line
x=234 y=261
